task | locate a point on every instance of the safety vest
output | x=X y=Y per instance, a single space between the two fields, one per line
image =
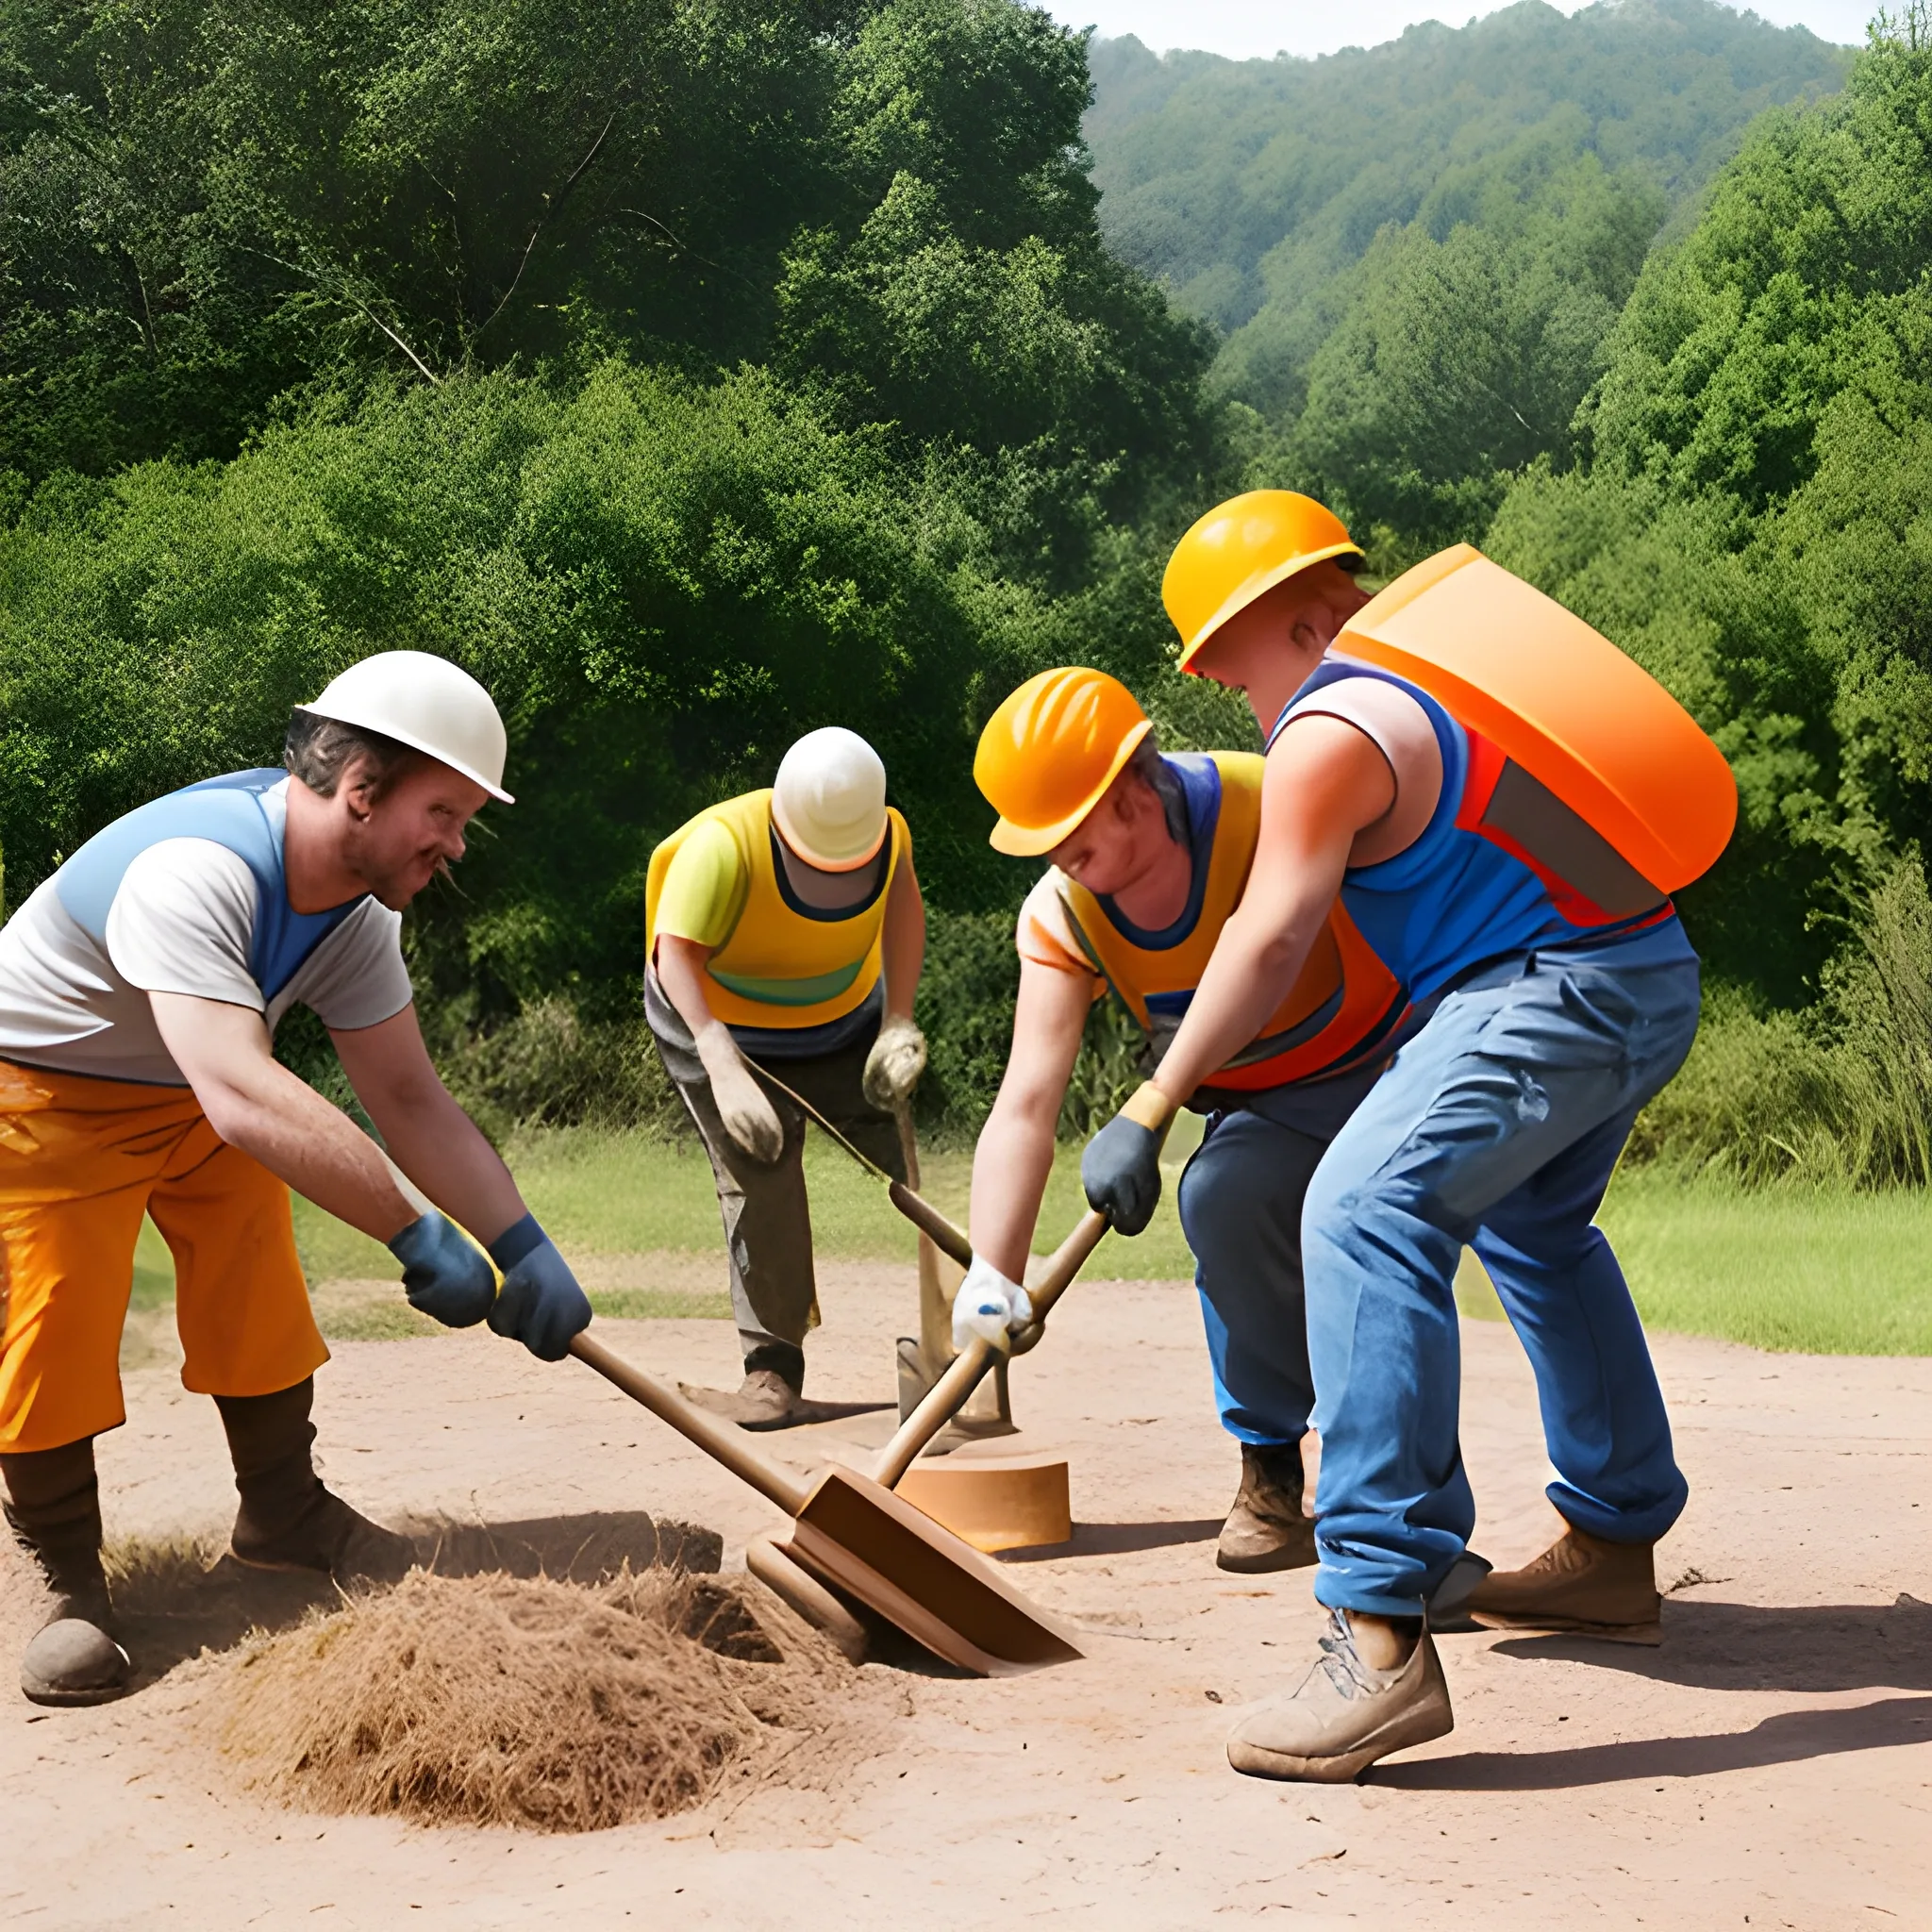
x=785 y=964
x=234 y=812
x=1341 y=1009
x=1577 y=793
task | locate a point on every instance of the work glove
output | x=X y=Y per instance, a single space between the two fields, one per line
x=1121 y=1167
x=894 y=1064
x=540 y=1303
x=988 y=1305
x=744 y=1106
x=445 y=1273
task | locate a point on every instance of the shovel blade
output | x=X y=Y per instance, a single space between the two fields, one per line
x=856 y=1534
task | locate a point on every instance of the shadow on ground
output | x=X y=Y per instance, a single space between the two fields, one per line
x=1717 y=1647
x=1118 y=1540
x=1790 y=1738
x=176 y=1599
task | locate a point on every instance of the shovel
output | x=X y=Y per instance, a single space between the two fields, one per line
x=852 y=1533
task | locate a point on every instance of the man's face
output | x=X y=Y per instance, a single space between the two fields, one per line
x=1266 y=650
x=397 y=842
x=1117 y=841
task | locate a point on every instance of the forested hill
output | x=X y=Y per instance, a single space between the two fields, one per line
x=1507 y=177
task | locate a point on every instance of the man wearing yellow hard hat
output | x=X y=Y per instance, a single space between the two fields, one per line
x=1503 y=804
x=1148 y=858
x=140 y=989
x=785 y=927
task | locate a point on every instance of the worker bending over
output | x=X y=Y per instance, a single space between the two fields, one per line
x=786 y=927
x=140 y=988
x=1564 y=995
x=1148 y=858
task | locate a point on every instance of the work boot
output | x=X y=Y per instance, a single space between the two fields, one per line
x=54 y=1508
x=288 y=1519
x=771 y=1396
x=1581 y=1586
x=1266 y=1530
x=1345 y=1714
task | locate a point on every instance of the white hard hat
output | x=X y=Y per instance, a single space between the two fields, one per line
x=830 y=799
x=426 y=703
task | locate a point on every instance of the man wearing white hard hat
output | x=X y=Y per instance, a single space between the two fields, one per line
x=140 y=988
x=785 y=927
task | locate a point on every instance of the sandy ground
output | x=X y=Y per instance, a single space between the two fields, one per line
x=1771 y=1765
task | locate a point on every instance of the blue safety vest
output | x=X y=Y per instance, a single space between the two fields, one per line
x=228 y=811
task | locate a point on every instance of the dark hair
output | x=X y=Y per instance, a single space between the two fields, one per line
x=1147 y=765
x=319 y=750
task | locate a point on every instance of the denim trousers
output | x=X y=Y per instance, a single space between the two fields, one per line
x=1498 y=1127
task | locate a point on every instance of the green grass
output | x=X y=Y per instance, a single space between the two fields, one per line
x=1824 y=1273
x=1817 y=1271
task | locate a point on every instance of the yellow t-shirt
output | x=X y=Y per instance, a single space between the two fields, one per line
x=704 y=888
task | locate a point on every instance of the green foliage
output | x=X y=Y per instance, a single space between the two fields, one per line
x=1417 y=251
x=1751 y=520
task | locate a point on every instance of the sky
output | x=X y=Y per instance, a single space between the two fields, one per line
x=1247 y=29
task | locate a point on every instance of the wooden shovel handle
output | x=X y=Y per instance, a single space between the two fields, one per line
x=721 y=1440
x=947 y=1396
x=927 y=1219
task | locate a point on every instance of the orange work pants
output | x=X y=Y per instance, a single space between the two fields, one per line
x=81 y=1160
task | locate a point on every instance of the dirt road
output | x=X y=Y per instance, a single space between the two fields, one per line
x=1771 y=1766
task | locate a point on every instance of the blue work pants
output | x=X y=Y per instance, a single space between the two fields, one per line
x=1497 y=1126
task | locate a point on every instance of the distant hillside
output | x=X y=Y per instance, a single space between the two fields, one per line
x=1253 y=188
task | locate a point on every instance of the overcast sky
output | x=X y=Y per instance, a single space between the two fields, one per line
x=1247 y=28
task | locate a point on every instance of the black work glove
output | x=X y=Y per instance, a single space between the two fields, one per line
x=540 y=1303
x=444 y=1274
x=1121 y=1172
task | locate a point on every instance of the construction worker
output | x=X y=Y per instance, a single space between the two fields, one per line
x=1464 y=809
x=140 y=988
x=785 y=927
x=1148 y=855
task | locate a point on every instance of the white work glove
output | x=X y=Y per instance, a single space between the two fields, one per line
x=745 y=1108
x=988 y=1305
x=894 y=1064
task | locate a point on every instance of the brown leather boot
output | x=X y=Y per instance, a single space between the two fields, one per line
x=771 y=1396
x=288 y=1519
x=1266 y=1530
x=1581 y=1586
x=54 y=1508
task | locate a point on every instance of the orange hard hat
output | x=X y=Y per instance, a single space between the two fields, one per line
x=1049 y=753
x=1240 y=549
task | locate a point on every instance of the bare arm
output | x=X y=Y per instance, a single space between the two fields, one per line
x=1016 y=1146
x=903 y=940
x=1326 y=782
x=431 y=1138
x=680 y=964
x=257 y=1105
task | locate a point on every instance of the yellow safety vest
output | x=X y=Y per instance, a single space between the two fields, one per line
x=1343 y=1007
x=785 y=964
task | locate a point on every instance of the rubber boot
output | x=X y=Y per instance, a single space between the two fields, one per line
x=1266 y=1530
x=1581 y=1586
x=288 y=1519
x=54 y=1508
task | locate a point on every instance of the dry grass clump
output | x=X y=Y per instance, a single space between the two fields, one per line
x=521 y=1701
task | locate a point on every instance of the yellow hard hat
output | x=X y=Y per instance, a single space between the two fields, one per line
x=1240 y=549
x=1049 y=753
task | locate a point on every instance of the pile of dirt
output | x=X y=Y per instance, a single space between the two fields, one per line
x=529 y=1702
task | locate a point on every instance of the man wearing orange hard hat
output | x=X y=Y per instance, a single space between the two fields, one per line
x=1149 y=854
x=786 y=928
x=1504 y=803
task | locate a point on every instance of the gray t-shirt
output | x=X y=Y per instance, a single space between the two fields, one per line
x=182 y=920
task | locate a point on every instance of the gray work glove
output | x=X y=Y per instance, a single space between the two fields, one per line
x=744 y=1106
x=894 y=1064
x=1121 y=1166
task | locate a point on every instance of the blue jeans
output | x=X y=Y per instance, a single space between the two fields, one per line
x=1497 y=1126
x=1241 y=1207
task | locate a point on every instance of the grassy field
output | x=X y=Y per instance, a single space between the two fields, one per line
x=1823 y=1272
